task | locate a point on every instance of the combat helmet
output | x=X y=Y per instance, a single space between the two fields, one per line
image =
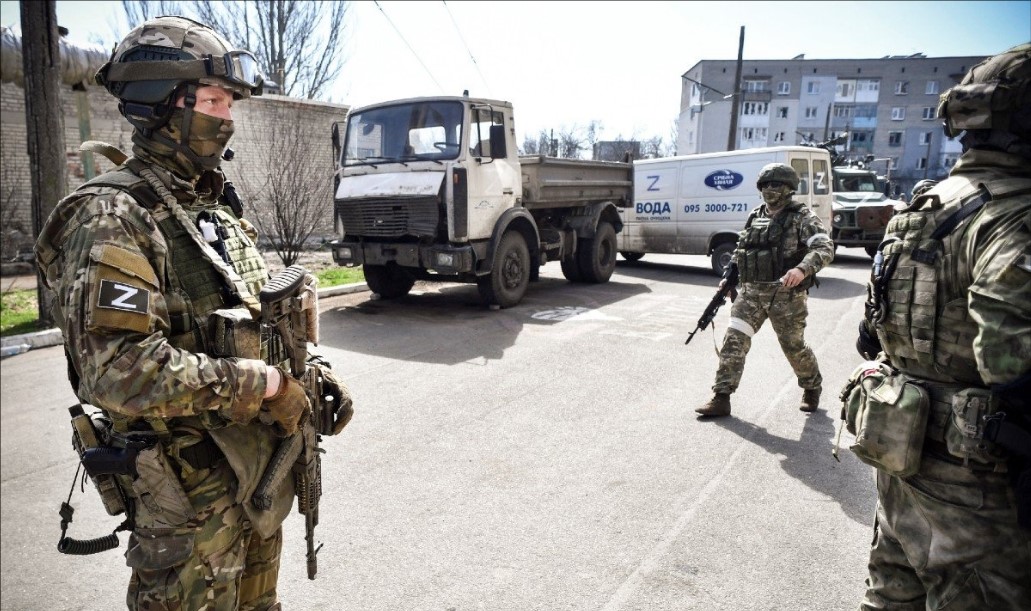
x=161 y=55
x=992 y=102
x=778 y=172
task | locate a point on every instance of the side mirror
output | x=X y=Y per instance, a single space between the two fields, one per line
x=497 y=141
x=335 y=137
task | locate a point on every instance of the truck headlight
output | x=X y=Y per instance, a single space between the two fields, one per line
x=344 y=252
x=445 y=259
x=837 y=218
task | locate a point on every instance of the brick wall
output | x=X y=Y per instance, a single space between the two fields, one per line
x=262 y=123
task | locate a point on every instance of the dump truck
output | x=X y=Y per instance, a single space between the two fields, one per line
x=433 y=189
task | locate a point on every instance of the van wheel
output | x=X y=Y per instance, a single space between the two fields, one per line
x=390 y=281
x=721 y=256
x=631 y=256
x=597 y=258
x=506 y=284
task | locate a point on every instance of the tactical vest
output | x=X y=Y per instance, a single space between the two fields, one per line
x=197 y=289
x=918 y=289
x=760 y=256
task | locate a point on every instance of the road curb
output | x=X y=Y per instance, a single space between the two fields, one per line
x=16 y=344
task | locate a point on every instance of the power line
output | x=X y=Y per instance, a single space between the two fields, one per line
x=462 y=38
x=408 y=45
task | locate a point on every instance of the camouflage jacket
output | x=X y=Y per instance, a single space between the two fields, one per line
x=107 y=263
x=804 y=239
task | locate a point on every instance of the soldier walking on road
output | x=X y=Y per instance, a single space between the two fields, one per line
x=783 y=246
x=155 y=279
x=943 y=409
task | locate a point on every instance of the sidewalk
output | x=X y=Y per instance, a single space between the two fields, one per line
x=16 y=344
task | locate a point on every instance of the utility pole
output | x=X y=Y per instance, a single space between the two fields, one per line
x=41 y=63
x=735 y=103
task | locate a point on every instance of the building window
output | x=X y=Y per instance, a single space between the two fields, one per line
x=782 y=112
x=784 y=88
x=925 y=138
x=921 y=164
x=843 y=111
x=757 y=86
x=813 y=87
x=868 y=85
x=810 y=112
x=901 y=87
x=932 y=88
x=844 y=90
x=894 y=138
x=898 y=113
x=778 y=137
x=929 y=112
x=755 y=108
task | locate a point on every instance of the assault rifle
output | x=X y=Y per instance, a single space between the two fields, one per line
x=289 y=305
x=720 y=298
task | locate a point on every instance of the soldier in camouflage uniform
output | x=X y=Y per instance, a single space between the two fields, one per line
x=948 y=310
x=147 y=264
x=778 y=254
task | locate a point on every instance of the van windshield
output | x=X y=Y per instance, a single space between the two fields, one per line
x=404 y=132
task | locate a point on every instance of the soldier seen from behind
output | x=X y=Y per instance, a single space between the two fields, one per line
x=783 y=246
x=156 y=278
x=941 y=406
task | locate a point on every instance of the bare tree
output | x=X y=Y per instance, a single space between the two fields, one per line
x=652 y=147
x=571 y=142
x=12 y=228
x=138 y=11
x=288 y=202
x=288 y=37
x=674 y=134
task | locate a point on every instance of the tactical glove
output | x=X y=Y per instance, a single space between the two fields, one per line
x=287 y=407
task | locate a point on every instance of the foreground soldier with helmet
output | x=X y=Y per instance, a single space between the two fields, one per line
x=942 y=409
x=156 y=281
x=779 y=252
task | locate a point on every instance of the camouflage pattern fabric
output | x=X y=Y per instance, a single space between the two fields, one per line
x=804 y=239
x=110 y=268
x=948 y=537
x=787 y=310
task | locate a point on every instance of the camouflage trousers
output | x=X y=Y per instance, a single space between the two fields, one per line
x=217 y=561
x=947 y=538
x=787 y=310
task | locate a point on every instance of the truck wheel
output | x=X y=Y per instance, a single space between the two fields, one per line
x=506 y=283
x=390 y=281
x=597 y=258
x=632 y=256
x=721 y=256
x=571 y=269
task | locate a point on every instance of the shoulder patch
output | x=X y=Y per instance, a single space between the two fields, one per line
x=125 y=297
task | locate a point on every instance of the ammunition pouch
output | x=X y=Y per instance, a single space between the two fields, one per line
x=887 y=411
x=960 y=420
x=234 y=333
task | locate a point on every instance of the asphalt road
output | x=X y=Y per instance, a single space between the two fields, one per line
x=545 y=457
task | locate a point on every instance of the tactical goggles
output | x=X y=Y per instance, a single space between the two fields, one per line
x=772 y=184
x=239 y=68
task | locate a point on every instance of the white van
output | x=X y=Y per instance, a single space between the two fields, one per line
x=697 y=204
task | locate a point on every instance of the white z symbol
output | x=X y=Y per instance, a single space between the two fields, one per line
x=128 y=292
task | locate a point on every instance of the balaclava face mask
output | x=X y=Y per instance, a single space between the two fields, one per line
x=189 y=144
x=776 y=198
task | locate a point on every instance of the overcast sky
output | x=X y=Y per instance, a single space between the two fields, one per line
x=567 y=63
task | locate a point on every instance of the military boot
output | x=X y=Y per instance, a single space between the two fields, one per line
x=810 y=400
x=719 y=405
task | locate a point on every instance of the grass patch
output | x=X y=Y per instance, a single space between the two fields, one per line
x=334 y=276
x=19 y=312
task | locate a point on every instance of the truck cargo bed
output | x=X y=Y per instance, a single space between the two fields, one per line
x=551 y=182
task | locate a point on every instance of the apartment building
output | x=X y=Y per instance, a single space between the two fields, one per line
x=885 y=107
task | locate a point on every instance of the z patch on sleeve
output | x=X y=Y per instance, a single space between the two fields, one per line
x=123 y=297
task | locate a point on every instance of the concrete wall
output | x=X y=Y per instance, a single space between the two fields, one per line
x=261 y=123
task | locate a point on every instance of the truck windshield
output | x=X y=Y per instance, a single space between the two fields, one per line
x=855 y=182
x=405 y=132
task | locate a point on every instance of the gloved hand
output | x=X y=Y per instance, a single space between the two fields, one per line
x=287 y=407
x=336 y=407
